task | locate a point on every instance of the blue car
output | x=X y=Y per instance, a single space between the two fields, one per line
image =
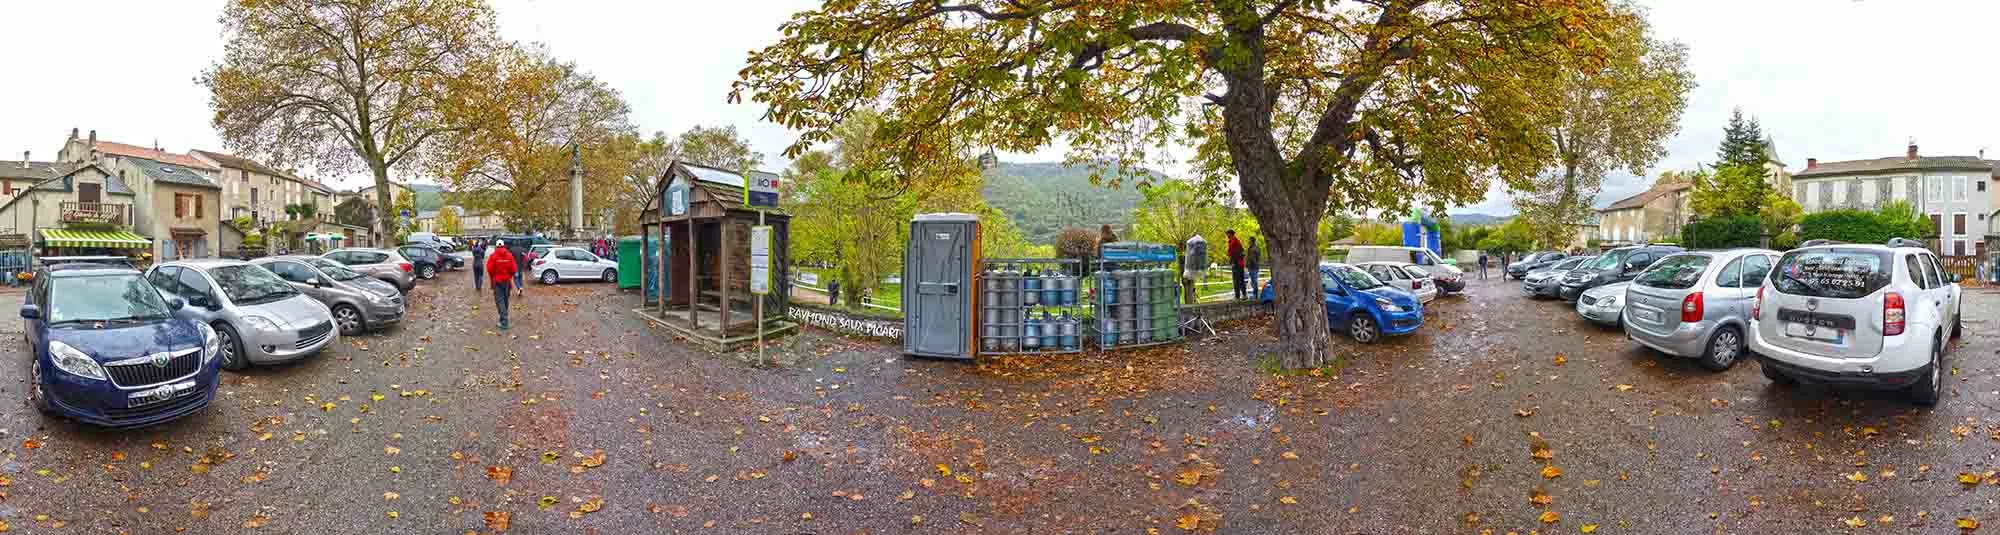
x=109 y=351
x=1363 y=306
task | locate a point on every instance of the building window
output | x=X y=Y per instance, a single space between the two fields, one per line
x=1958 y=247
x=1958 y=224
x=1958 y=188
x=1934 y=188
x=1937 y=223
x=1980 y=185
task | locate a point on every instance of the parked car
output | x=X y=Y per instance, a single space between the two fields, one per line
x=382 y=264
x=358 y=302
x=258 y=318
x=1451 y=279
x=1604 y=305
x=1547 y=280
x=429 y=260
x=108 y=349
x=1533 y=261
x=1877 y=316
x=1408 y=277
x=1361 y=305
x=1697 y=304
x=1447 y=280
x=426 y=238
x=1615 y=265
x=572 y=263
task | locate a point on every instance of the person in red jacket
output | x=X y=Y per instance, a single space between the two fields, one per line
x=500 y=266
x=1235 y=263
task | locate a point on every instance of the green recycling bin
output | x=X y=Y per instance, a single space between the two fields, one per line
x=630 y=252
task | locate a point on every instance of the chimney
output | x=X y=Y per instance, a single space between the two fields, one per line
x=24 y=159
x=72 y=132
x=1812 y=162
x=1913 y=150
x=93 y=137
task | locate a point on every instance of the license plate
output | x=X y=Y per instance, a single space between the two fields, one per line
x=158 y=395
x=1648 y=315
x=1831 y=335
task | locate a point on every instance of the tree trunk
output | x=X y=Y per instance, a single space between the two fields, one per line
x=1288 y=203
x=385 y=212
x=1299 y=299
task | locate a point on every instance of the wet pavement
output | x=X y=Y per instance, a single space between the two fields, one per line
x=584 y=419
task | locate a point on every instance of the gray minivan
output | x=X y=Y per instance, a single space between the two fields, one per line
x=259 y=318
x=384 y=264
x=1697 y=304
x=358 y=302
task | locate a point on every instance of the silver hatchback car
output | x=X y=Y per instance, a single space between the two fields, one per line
x=379 y=263
x=359 y=302
x=258 y=318
x=1697 y=304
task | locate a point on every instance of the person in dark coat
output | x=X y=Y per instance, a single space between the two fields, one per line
x=478 y=266
x=1250 y=261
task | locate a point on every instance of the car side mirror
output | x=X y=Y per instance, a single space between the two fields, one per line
x=176 y=303
x=31 y=312
x=316 y=282
x=1953 y=277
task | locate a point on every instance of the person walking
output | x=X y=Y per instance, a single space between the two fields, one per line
x=520 y=254
x=1250 y=261
x=478 y=266
x=1482 y=265
x=1235 y=262
x=500 y=265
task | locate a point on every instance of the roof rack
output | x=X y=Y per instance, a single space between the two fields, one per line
x=1819 y=242
x=1904 y=242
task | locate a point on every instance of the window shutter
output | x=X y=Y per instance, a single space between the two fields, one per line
x=178 y=210
x=198 y=211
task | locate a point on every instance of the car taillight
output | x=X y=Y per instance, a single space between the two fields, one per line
x=406 y=267
x=1416 y=285
x=1892 y=314
x=1691 y=307
x=1757 y=305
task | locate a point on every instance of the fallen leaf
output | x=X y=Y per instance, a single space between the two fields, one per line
x=498 y=520
x=593 y=461
x=256 y=520
x=391 y=496
x=1857 y=477
x=1624 y=388
x=1967 y=524
x=1549 y=517
x=546 y=502
x=916 y=519
x=592 y=505
x=906 y=495
x=1189 y=476
x=1551 y=472
x=1538 y=497
x=31 y=443
x=499 y=474
x=1968 y=479
x=1524 y=413
x=1587 y=528
x=550 y=457
x=393 y=514
x=1289 y=455
x=1855 y=522
x=1188 y=521
x=1288 y=500
x=944 y=470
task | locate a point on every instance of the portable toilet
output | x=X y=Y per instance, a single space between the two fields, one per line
x=631 y=253
x=940 y=265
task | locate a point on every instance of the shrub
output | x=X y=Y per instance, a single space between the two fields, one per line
x=1722 y=232
x=1895 y=220
x=1079 y=243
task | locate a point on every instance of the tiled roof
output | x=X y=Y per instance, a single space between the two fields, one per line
x=1640 y=200
x=135 y=151
x=229 y=160
x=173 y=174
x=33 y=170
x=1896 y=163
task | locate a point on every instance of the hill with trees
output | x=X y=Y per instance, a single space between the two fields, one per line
x=1042 y=198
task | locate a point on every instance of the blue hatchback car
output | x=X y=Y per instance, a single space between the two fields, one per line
x=109 y=351
x=1363 y=306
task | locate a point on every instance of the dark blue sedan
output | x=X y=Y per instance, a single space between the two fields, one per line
x=1363 y=306
x=109 y=350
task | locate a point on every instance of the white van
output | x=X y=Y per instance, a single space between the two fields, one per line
x=1450 y=277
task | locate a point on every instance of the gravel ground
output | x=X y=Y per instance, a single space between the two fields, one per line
x=583 y=419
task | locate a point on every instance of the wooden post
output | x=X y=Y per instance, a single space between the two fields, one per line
x=694 y=274
x=722 y=257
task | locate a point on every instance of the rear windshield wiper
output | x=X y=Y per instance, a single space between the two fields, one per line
x=1816 y=290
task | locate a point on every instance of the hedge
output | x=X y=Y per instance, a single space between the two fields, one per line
x=1722 y=233
x=1856 y=226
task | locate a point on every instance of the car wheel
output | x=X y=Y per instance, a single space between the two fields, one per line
x=1931 y=386
x=610 y=275
x=36 y=397
x=549 y=277
x=1772 y=373
x=427 y=271
x=1723 y=349
x=233 y=358
x=349 y=320
x=1363 y=329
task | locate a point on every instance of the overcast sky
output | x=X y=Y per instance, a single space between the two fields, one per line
x=1831 y=79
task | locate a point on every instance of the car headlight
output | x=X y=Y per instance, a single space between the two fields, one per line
x=1610 y=301
x=260 y=323
x=74 y=361
x=1388 y=305
x=211 y=345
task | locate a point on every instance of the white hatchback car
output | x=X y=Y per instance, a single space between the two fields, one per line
x=572 y=263
x=1404 y=276
x=1877 y=316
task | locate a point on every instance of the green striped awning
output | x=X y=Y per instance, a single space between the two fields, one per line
x=112 y=239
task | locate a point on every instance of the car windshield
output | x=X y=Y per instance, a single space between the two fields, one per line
x=335 y=270
x=1416 y=271
x=1677 y=272
x=124 y=297
x=1834 y=272
x=247 y=284
x=1355 y=277
x=1571 y=263
x=1607 y=261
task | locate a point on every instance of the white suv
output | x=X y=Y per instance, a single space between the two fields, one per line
x=1878 y=316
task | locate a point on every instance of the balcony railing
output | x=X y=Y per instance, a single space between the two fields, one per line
x=97 y=212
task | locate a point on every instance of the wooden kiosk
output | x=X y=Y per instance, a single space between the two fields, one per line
x=707 y=217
